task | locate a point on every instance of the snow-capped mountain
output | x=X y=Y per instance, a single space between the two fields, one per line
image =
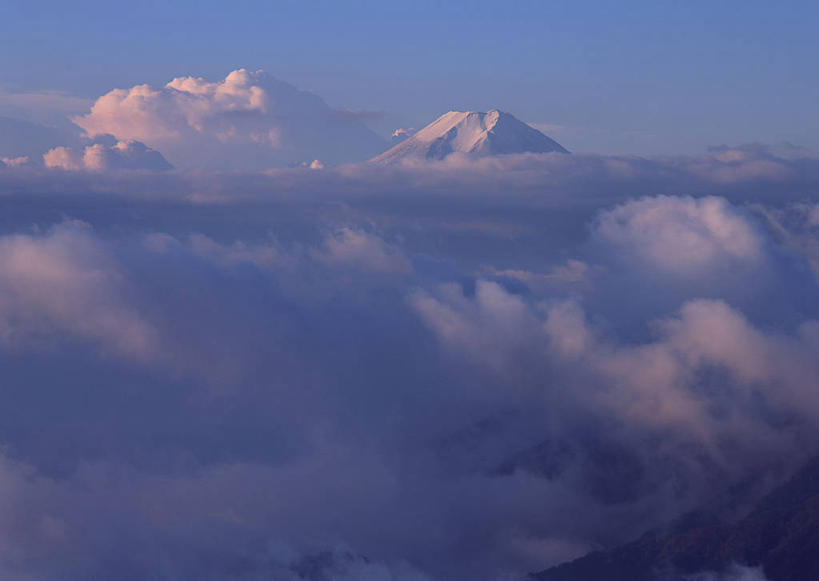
x=471 y=132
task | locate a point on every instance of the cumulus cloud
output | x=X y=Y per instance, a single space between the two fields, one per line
x=63 y=158
x=681 y=235
x=249 y=120
x=14 y=161
x=104 y=157
x=652 y=383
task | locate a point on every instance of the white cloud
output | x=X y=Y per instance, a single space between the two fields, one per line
x=351 y=248
x=681 y=235
x=64 y=158
x=655 y=386
x=103 y=157
x=249 y=120
x=489 y=329
x=65 y=282
x=14 y=161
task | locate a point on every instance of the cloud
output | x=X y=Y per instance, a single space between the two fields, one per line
x=21 y=138
x=14 y=161
x=249 y=120
x=50 y=526
x=45 y=100
x=734 y=573
x=681 y=235
x=696 y=386
x=349 y=248
x=345 y=249
x=64 y=282
x=796 y=227
x=104 y=157
x=505 y=363
x=259 y=255
x=572 y=273
x=582 y=183
x=487 y=328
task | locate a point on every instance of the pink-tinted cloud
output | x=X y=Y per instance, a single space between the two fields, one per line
x=103 y=157
x=65 y=282
x=249 y=120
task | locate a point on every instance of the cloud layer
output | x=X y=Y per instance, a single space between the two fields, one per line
x=469 y=369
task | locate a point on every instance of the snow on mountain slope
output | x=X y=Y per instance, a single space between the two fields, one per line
x=472 y=132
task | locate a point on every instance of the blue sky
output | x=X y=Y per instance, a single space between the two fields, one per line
x=636 y=76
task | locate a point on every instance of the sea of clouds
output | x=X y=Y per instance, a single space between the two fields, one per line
x=469 y=369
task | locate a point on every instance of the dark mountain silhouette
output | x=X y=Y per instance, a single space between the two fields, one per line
x=781 y=535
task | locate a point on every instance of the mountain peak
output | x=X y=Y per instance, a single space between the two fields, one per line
x=479 y=133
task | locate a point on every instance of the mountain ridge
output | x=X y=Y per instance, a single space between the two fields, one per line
x=780 y=536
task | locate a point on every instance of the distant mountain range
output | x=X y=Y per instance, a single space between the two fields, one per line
x=781 y=535
x=480 y=134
